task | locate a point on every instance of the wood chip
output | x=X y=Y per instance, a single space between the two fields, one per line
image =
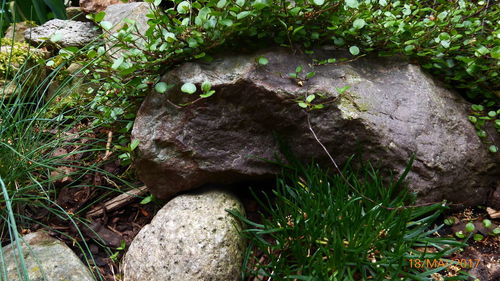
x=494 y=214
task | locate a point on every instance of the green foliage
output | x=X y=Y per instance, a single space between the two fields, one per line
x=455 y=40
x=318 y=227
x=120 y=249
x=481 y=115
x=31 y=134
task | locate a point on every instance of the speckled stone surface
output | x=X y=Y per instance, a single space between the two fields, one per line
x=46 y=259
x=191 y=238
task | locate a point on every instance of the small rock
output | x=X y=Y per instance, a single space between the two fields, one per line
x=94 y=6
x=8 y=89
x=72 y=33
x=193 y=237
x=76 y=13
x=494 y=214
x=46 y=259
x=16 y=31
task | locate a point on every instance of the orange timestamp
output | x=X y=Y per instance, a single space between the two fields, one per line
x=435 y=263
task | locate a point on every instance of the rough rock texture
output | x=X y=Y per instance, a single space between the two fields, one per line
x=193 y=237
x=76 y=13
x=16 y=31
x=94 y=6
x=494 y=200
x=73 y=33
x=115 y=14
x=8 y=88
x=391 y=111
x=47 y=259
x=488 y=267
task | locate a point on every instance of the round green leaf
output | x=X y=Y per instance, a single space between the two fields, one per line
x=359 y=23
x=221 y=4
x=478 y=237
x=318 y=2
x=117 y=63
x=310 y=98
x=226 y=22
x=352 y=3
x=469 y=227
x=354 y=50
x=188 y=88
x=487 y=223
x=56 y=37
x=207 y=94
x=206 y=86
x=183 y=7
x=106 y=25
x=99 y=16
x=161 y=87
x=409 y=48
x=496 y=231
x=493 y=149
x=263 y=60
x=302 y=104
x=243 y=15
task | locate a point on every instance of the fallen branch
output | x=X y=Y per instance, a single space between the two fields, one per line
x=117 y=202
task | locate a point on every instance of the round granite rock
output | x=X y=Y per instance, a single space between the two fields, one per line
x=192 y=238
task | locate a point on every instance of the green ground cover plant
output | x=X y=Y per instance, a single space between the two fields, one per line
x=355 y=226
x=457 y=41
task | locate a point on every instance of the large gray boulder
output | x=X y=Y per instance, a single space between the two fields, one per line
x=46 y=259
x=69 y=33
x=391 y=110
x=193 y=237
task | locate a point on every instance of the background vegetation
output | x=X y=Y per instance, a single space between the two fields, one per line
x=38 y=11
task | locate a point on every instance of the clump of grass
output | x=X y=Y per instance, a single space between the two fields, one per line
x=319 y=227
x=31 y=133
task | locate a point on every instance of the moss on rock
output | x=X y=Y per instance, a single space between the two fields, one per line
x=14 y=55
